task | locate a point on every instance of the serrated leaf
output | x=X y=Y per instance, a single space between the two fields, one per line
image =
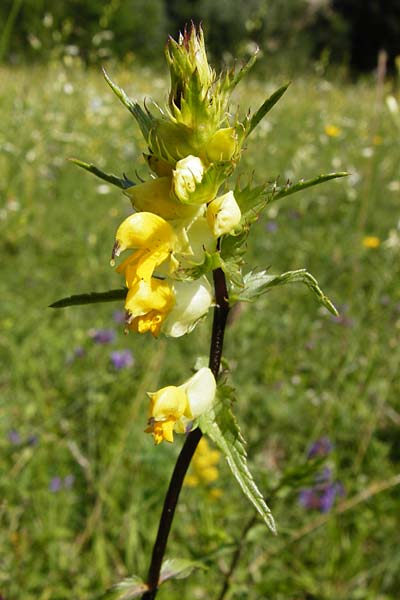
x=251 y=200
x=90 y=298
x=122 y=183
x=279 y=192
x=233 y=271
x=256 y=284
x=178 y=568
x=221 y=426
x=266 y=107
x=144 y=119
x=131 y=587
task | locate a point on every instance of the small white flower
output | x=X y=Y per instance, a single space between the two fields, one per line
x=187 y=175
x=223 y=214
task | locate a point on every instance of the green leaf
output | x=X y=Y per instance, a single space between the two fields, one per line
x=251 y=200
x=211 y=262
x=282 y=191
x=131 y=587
x=242 y=71
x=256 y=284
x=144 y=119
x=178 y=568
x=220 y=424
x=90 y=298
x=123 y=183
x=233 y=271
x=266 y=107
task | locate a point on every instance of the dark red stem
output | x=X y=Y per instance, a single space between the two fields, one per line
x=182 y=464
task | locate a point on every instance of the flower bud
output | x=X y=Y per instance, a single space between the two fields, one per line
x=223 y=214
x=187 y=175
x=223 y=145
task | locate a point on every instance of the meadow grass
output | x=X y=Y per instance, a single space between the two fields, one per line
x=81 y=484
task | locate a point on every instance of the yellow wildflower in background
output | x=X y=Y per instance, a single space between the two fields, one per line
x=371 y=241
x=332 y=130
x=204 y=467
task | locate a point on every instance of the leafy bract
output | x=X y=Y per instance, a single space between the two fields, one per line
x=256 y=284
x=90 y=298
x=279 y=192
x=131 y=587
x=144 y=119
x=121 y=182
x=178 y=568
x=221 y=426
x=266 y=107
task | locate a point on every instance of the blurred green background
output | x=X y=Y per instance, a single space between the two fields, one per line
x=349 y=32
x=81 y=486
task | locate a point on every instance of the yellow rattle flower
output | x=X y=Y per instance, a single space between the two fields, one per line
x=175 y=408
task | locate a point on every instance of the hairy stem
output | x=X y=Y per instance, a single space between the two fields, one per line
x=182 y=464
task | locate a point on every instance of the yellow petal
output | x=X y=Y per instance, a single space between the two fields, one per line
x=148 y=304
x=143 y=230
x=155 y=240
x=168 y=402
x=154 y=196
x=161 y=430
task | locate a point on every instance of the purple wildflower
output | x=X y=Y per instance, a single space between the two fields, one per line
x=102 y=336
x=322 y=495
x=55 y=484
x=320 y=448
x=121 y=359
x=14 y=437
x=58 y=483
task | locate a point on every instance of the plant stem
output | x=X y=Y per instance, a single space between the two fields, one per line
x=235 y=558
x=182 y=464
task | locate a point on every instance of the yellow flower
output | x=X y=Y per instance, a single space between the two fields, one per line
x=204 y=466
x=155 y=240
x=175 y=408
x=155 y=196
x=332 y=130
x=377 y=140
x=371 y=241
x=148 y=304
x=223 y=214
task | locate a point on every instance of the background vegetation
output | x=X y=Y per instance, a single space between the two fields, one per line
x=349 y=32
x=81 y=484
